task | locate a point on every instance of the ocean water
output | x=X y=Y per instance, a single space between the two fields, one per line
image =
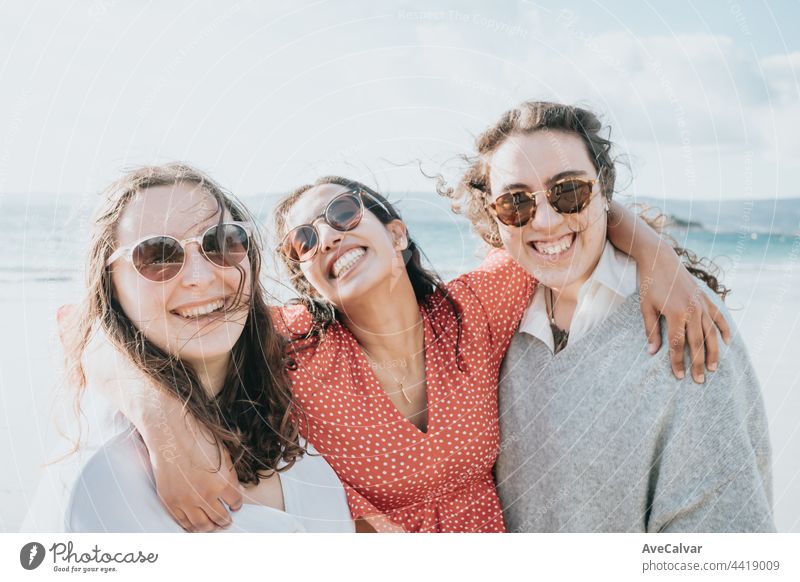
x=45 y=239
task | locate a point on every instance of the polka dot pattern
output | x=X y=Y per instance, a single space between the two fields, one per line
x=394 y=474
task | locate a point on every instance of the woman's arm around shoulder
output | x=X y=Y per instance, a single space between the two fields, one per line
x=668 y=289
x=194 y=476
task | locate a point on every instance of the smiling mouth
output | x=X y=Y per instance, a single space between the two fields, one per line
x=200 y=311
x=554 y=248
x=346 y=262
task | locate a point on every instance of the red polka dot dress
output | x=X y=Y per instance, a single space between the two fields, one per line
x=395 y=475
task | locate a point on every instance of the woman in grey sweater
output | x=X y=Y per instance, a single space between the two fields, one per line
x=597 y=435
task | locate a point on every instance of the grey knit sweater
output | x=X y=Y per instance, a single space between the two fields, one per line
x=602 y=437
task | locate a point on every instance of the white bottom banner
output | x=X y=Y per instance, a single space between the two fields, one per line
x=396 y=556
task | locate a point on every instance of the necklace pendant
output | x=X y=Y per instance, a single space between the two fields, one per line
x=403 y=392
x=560 y=338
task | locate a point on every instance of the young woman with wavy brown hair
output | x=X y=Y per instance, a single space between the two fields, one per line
x=597 y=435
x=174 y=299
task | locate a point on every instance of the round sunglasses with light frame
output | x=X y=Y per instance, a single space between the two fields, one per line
x=161 y=258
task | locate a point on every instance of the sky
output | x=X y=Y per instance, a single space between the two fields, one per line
x=702 y=98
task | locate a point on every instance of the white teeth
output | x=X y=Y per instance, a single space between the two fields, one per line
x=201 y=309
x=556 y=247
x=346 y=261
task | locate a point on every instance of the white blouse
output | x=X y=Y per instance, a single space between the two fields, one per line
x=111 y=488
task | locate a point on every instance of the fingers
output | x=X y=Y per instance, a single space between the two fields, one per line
x=63 y=314
x=719 y=320
x=64 y=317
x=676 y=330
x=696 y=340
x=217 y=513
x=232 y=496
x=653 y=330
x=205 y=518
x=200 y=522
x=712 y=344
x=232 y=492
x=179 y=516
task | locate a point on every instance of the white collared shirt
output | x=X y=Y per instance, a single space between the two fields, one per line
x=614 y=279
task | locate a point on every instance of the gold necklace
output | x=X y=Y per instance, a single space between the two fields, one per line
x=400 y=383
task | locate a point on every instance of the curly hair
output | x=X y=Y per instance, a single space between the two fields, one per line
x=472 y=193
x=252 y=416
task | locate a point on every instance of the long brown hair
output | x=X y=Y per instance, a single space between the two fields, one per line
x=426 y=284
x=252 y=415
x=472 y=192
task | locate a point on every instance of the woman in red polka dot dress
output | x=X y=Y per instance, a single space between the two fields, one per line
x=398 y=387
x=394 y=372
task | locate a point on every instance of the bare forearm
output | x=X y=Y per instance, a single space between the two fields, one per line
x=667 y=288
x=194 y=475
x=632 y=235
x=151 y=410
x=155 y=414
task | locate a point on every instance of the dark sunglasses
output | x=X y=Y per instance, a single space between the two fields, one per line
x=343 y=213
x=161 y=258
x=567 y=196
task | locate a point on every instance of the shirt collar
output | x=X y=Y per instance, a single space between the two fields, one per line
x=535 y=322
x=615 y=272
